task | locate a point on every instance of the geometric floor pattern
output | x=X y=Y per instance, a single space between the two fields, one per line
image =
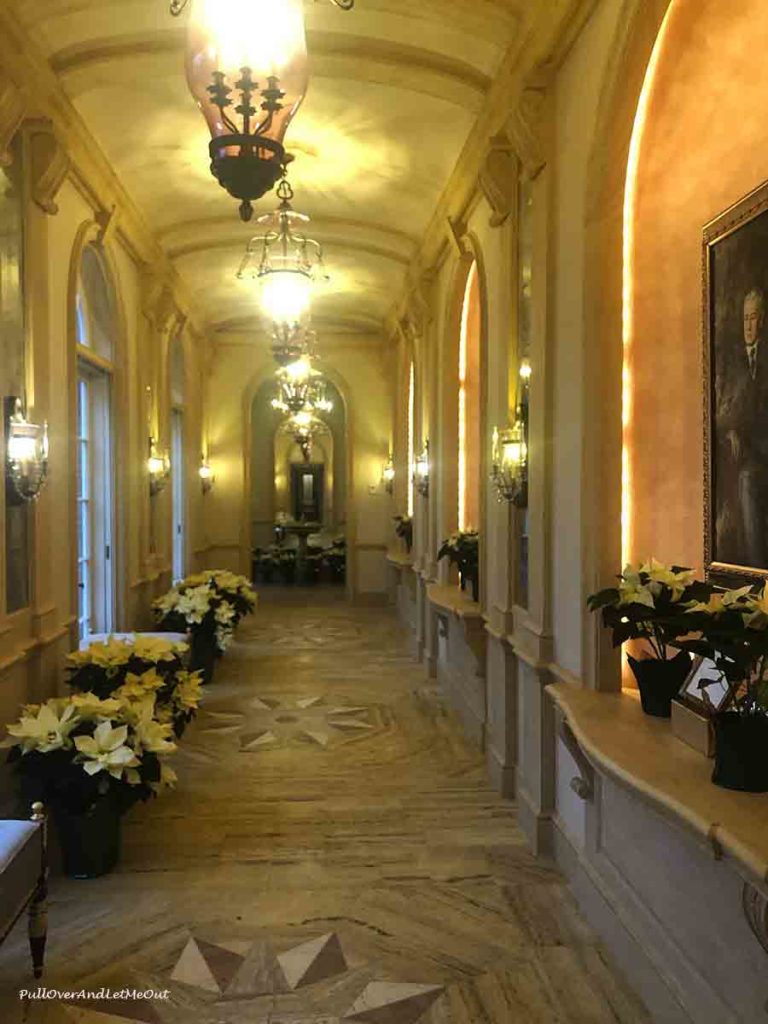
x=207 y=976
x=268 y=723
x=332 y=853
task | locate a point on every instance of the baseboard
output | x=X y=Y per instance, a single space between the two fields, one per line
x=536 y=827
x=503 y=776
x=626 y=952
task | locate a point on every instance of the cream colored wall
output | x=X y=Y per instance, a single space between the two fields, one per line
x=356 y=366
x=33 y=642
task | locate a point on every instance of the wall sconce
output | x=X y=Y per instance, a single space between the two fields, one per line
x=26 y=454
x=206 y=474
x=388 y=475
x=159 y=468
x=421 y=469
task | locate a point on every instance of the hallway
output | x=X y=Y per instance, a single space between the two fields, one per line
x=327 y=798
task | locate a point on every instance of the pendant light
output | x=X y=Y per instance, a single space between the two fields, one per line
x=247 y=68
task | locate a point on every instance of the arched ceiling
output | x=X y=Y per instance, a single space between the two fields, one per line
x=395 y=87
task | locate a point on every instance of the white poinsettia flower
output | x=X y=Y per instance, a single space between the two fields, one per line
x=154 y=736
x=195 y=604
x=719 y=603
x=662 y=575
x=224 y=637
x=106 y=750
x=48 y=729
x=225 y=613
x=632 y=590
x=189 y=690
x=88 y=705
x=756 y=610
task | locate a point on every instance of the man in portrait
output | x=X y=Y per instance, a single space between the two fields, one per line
x=742 y=429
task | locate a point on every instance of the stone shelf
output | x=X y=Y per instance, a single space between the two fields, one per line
x=455 y=600
x=400 y=559
x=616 y=738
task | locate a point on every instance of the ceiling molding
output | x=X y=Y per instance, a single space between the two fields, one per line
x=254 y=324
x=319 y=224
x=332 y=55
x=236 y=244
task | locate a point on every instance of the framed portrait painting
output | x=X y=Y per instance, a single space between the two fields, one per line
x=736 y=391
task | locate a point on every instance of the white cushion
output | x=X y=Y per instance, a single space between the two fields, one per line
x=14 y=835
x=102 y=638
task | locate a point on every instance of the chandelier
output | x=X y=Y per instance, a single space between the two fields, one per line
x=285 y=262
x=301 y=389
x=247 y=69
x=292 y=342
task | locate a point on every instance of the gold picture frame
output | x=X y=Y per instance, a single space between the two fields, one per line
x=735 y=311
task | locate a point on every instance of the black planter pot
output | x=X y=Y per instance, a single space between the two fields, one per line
x=660 y=681
x=90 y=841
x=202 y=656
x=741 y=752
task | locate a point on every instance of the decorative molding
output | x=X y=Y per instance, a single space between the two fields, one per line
x=12 y=109
x=107 y=221
x=456 y=233
x=584 y=784
x=49 y=164
x=498 y=179
x=158 y=300
x=755 y=904
x=524 y=127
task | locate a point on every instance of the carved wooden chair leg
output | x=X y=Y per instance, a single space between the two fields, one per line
x=38 y=908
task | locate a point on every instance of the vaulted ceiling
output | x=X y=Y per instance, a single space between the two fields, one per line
x=395 y=87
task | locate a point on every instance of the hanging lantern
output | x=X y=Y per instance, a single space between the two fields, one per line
x=247 y=69
x=300 y=388
x=178 y=6
x=286 y=263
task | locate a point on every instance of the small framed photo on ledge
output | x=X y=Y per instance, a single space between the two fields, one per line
x=735 y=359
x=704 y=691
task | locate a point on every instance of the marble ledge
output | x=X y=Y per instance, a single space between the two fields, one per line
x=400 y=560
x=454 y=600
x=641 y=753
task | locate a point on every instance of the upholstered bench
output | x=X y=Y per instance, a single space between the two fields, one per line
x=24 y=880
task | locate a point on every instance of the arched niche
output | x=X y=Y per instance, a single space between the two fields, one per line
x=272 y=452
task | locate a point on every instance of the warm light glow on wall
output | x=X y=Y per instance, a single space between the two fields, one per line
x=463 y=341
x=630 y=199
x=411 y=430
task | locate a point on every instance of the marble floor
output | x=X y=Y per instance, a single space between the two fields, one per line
x=332 y=853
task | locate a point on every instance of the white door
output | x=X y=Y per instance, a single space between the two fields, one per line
x=95 y=511
x=177 y=481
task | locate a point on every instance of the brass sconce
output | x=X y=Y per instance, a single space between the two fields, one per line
x=158 y=467
x=421 y=470
x=388 y=475
x=26 y=453
x=206 y=474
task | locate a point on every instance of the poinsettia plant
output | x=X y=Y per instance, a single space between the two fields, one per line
x=208 y=604
x=404 y=529
x=131 y=669
x=462 y=549
x=74 y=751
x=731 y=630
x=650 y=603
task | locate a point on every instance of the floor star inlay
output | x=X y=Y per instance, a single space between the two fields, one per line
x=264 y=724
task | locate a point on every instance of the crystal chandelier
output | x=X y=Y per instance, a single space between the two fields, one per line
x=286 y=263
x=301 y=389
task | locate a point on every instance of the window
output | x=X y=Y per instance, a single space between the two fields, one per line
x=411 y=435
x=469 y=405
x=178 y=482
x=95 y=579
x=95 y=323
